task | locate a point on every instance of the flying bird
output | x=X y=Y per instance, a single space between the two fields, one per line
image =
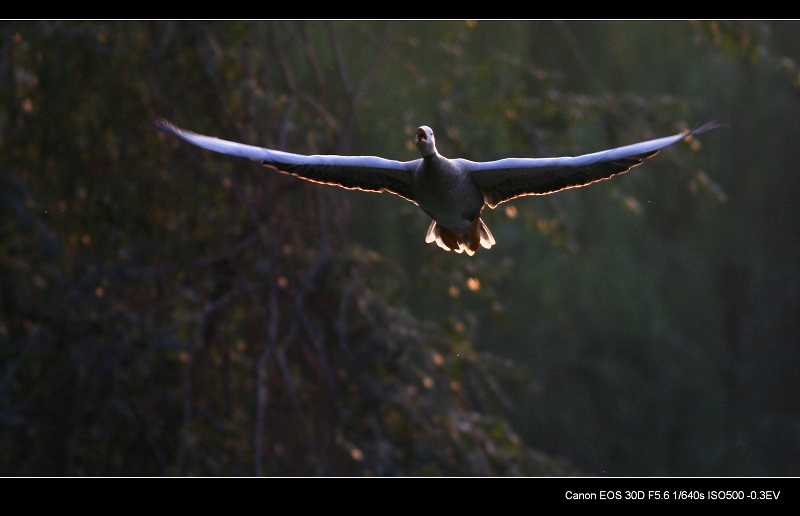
x=453 y=192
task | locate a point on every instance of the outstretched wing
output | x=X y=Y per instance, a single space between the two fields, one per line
x=506 y=179
x=368 y=173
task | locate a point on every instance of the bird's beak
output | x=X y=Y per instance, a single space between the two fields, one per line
x=421 y=136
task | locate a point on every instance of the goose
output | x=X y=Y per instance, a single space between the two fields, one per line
x=453 y=192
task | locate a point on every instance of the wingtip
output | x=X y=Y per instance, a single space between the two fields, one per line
x=710 y=126
x=162 y=124
x=703 y=126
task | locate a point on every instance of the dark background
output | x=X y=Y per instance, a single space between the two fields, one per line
x=168 y=311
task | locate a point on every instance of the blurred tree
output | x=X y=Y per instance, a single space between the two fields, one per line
x=176 y=313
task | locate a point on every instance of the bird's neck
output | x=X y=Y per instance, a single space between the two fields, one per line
x=432 y=164
x=437 y=168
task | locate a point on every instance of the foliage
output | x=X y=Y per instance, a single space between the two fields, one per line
x=168 y=312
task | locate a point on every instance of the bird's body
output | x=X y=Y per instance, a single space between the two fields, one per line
x=445 y=192
x=453 y=192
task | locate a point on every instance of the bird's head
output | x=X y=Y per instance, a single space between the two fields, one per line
x=426 y=143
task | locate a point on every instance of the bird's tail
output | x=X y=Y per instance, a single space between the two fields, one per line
x=487 y=239
x=469 y=242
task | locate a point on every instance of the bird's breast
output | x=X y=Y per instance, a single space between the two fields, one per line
x=448 y=194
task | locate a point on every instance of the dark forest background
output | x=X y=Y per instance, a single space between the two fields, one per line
x=168 y=311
